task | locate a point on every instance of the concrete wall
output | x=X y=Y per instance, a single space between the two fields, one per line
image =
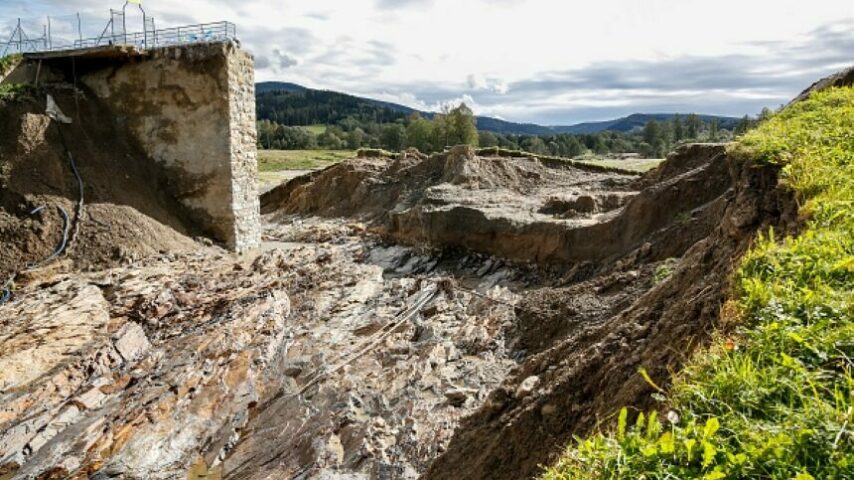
x=192 y=109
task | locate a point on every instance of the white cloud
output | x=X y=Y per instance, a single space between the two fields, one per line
x=480 y=82
x=523 y=59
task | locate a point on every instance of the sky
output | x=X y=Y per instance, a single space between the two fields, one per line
x=552 y=62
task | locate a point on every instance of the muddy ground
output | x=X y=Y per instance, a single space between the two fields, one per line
x=456 y=316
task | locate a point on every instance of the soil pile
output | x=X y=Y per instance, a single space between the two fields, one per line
x=126 y=215
x=522 y=209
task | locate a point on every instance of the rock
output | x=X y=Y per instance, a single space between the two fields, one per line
x=90 y=400
x=458 y=396
x=527 y=386
x=131 y=342
x=548 y=410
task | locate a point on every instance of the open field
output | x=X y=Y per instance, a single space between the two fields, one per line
x=636 y=164
x=316 y=129
x=277 y=160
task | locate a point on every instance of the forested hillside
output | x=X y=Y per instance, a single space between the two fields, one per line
x=351 y=122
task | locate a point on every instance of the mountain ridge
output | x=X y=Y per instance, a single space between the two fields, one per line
x=496 y=125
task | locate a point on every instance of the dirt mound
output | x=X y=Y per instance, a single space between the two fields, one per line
x=126 y=215
x=522 y=209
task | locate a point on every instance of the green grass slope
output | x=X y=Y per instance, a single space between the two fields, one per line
x=773 y=399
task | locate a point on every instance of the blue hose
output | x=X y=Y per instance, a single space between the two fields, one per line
x=66 y=227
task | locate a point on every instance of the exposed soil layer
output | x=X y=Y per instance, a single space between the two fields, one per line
x=591 y=369
x=126 y=215
x=522 y=209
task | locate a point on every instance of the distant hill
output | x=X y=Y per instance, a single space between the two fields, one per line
x=292 y=104
x=265 y=87
x=637 y=120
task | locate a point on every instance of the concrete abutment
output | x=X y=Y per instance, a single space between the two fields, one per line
x=191 y=108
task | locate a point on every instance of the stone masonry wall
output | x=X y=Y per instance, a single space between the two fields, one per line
x=244 y=154
x=192 y=108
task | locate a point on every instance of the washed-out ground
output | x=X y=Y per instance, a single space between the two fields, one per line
x=406 y=316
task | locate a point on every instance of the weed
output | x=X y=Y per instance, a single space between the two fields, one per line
x=663 y=270
x=8 y=62
x=12 y=91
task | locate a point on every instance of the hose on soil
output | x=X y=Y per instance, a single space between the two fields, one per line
x=66 y=228
x=68 y=235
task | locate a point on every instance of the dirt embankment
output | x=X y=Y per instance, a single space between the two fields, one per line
x=126 y=215
x=591 y=369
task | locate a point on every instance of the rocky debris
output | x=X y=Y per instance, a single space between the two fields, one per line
x=384 y=413
x=296 y=363
x=94 y=382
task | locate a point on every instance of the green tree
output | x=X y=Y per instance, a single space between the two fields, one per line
x=419 y=133
x=460 y=126
x=743 y=125
x=355 y=138
x=693 y=125
x=678 y=128
x=653 y=135
x=714 y=129
x=393 y=137
x=535 y=145
x=487 y=139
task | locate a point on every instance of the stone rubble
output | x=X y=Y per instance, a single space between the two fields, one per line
x=211 y=364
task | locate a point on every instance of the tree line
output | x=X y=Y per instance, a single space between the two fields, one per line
x=377 y=128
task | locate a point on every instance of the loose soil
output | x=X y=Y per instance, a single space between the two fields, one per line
x=126 y=216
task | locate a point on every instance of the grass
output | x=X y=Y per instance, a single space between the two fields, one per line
x=8 y=62
x=773 y=400
x=638 y=165
x=317 y=129
x=11 y=91
x=278 y=160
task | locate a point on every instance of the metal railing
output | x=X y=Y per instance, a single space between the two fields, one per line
x=115 y=34
x=205 y=32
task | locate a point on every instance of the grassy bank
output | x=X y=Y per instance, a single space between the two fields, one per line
x=277 y=160
x=774 y=400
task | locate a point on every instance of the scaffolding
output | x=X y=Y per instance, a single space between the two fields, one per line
x=71 y=32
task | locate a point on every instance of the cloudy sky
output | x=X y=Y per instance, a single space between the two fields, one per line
x=543 y=61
